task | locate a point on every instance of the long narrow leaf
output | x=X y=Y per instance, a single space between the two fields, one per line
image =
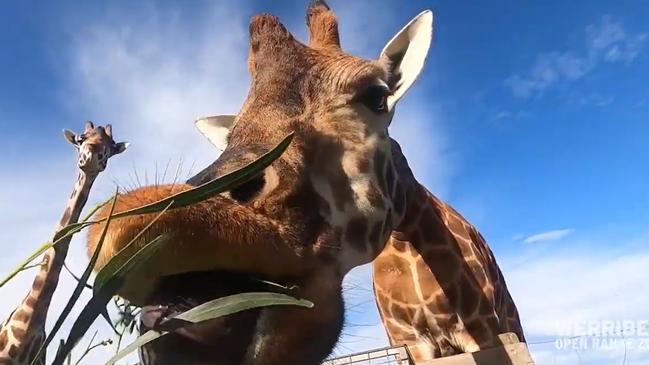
x=214 y=309
x=182 y=199
x=78 y=288
x=124 y=256
x=100 y=298
x=59 y=236
x=214 y=187
x=69 y=231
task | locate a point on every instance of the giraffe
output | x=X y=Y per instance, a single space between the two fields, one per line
x=23 y=333
x=327 y=205
x=437 y=285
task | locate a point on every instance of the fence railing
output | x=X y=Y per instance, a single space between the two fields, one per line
x=397 y=355
x=512 y=352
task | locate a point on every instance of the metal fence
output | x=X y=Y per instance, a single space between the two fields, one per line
x=398 y=355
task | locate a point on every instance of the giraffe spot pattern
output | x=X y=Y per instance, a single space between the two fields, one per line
x=363 y=165
x=30 y=301
x=39 y=282
x=21 y=315
x=356 y=232
x=375 y=197
x=375 y=232
x=18 y=333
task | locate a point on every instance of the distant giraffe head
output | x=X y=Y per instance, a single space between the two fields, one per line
x=23 y=333
x=96 y=146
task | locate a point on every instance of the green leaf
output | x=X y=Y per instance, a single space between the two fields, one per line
x=68 y=231
x=60 y=236
x=209 y=189
x=214 y=309
x=101 y=297
x=125 y=256
x=182 y=199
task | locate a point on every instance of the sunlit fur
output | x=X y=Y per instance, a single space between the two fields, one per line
x=328 y=212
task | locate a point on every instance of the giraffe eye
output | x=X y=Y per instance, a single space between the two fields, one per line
x=375 y=98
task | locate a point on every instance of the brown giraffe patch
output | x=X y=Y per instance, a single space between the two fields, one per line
x=18 y=332
x=20 y=316
x=3 y=339
x=402 y=311
x=389 y=180
x=13 y=351
x=39 y=281
x=363 y=165
x=429 y=285
x=356 y=232
x=338 y=234
x=432 y=233
x=379 y=168
x=485 y=307
x=30 y=301
x=399 y=245
x=469 y=301
x=386 y=226
x=399 y=199
x=374 y=197
x=375 y=232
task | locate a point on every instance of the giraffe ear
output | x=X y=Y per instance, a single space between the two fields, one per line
x=120 y=147
x=216 y=129
x=71 y=137
x=405 y=54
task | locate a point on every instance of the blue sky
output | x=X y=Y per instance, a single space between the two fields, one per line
x=531 y=118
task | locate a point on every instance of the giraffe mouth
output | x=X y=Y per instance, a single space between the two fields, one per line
x=226 y=338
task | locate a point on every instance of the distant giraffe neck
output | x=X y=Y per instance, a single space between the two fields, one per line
x=24 y=331
x=437 y=282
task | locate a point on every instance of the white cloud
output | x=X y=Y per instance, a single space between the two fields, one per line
x=559 y=292
x=605 y=41
x=554 y=235
x=152 y=78
x=613 y=41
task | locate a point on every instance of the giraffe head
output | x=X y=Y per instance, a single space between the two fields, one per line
x=96 y=146
x=326 y=205
x=340 y=107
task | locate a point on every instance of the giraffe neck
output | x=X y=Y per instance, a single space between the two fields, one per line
x=55 y=257
x=24 y=330
x=457 y=298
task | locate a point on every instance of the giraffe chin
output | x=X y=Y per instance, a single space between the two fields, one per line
x=258 y=336
x=226 y=338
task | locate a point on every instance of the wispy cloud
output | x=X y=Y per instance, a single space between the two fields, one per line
x=560 y=290
x=605 y=41
x=548 y=236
